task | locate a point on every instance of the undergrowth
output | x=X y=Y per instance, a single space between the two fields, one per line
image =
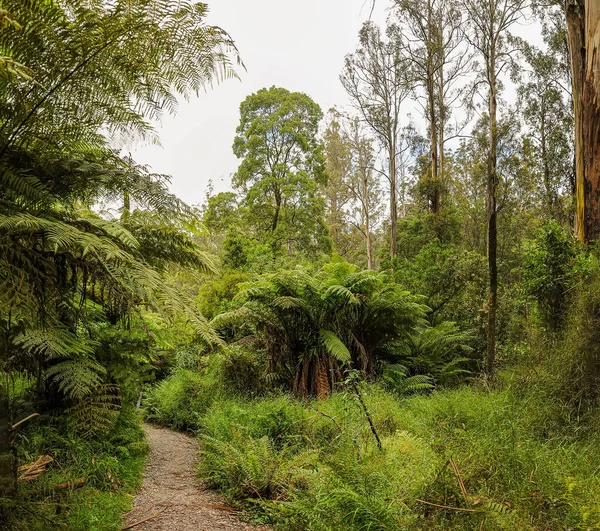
x=112 y=468
x=315 y=464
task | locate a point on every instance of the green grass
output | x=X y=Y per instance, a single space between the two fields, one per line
x=315 y=465
x=112 y=468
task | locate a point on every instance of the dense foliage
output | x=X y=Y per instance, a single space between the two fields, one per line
x=312 y=328
x=316 y=465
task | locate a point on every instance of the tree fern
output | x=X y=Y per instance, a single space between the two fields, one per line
x=396 y=379
x=314 y=325
x=76 y=79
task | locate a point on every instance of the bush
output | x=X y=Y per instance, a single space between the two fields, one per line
x=178 y=401
x=243 y=371
x=550 y=270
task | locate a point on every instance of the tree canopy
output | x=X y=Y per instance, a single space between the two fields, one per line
x=282 y=167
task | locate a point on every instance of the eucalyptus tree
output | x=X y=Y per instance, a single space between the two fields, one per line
x=363 y=185
x=376 y=77
x=489 y=23
x=337 y=165
x=583 y=22
x=354 y=193
x=545 y=102
x=90 y=72
x=282 y=169
x=433 y=41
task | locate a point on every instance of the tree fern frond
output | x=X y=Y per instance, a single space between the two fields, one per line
x=335 y=346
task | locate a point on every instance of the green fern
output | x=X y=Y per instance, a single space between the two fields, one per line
x=396 y=379
x=312 y=326
x=94 y=413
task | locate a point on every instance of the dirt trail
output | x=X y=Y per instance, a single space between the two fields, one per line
x=170 y=488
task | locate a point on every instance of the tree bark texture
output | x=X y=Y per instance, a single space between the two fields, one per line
x=433 y=139
x=8 y=467
x=583 y=22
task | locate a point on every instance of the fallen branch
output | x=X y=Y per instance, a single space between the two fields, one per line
x=460 y=481
x=15 y=426
x=364 y=406
x=145 y=519
x=35 y=470
x=75 y=484
x=451 y=508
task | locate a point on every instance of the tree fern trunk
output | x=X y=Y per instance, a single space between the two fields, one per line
x=302 y=389
x=8 y=464
x=322 y=378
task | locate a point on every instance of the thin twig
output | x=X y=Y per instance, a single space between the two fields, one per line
x=450 y=508
x=460 y=481
x=130 y=526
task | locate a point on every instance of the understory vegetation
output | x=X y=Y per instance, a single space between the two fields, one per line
x=519 y=456
x=89 y=483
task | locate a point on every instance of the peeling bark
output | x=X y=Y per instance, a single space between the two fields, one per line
x=583 y=23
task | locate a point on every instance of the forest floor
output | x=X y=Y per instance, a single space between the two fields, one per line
x=171 y=498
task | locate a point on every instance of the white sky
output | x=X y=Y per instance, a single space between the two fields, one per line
x=298 y=45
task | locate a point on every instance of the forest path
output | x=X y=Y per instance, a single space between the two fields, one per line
x=171 y=491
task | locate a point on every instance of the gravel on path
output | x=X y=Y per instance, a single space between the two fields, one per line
x=170 y=488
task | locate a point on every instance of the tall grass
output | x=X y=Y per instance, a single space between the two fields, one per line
x=315 y=464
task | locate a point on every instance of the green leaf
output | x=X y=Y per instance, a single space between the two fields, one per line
x=335 y=346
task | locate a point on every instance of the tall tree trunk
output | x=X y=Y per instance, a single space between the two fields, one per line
x=583 y=22
x=393 y=203
x=492 y=221
x=442 y=120
x=546 y=166
x=368 y=238
x=433 y=141
x=277 y=210
x=365 y=206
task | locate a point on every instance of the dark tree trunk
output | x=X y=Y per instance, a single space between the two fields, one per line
x=277 y=210
x=433 y=139
x=393 y=204
x=492 y=222
x=126 y=206
x=7 y=460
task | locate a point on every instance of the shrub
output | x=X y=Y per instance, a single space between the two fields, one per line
x=312 y=326
x=315 y=465
x=549 y=270
x=112 y=467
x=243 y=371
x=179 y=400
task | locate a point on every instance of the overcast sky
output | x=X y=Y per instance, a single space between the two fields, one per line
x=298 y=45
